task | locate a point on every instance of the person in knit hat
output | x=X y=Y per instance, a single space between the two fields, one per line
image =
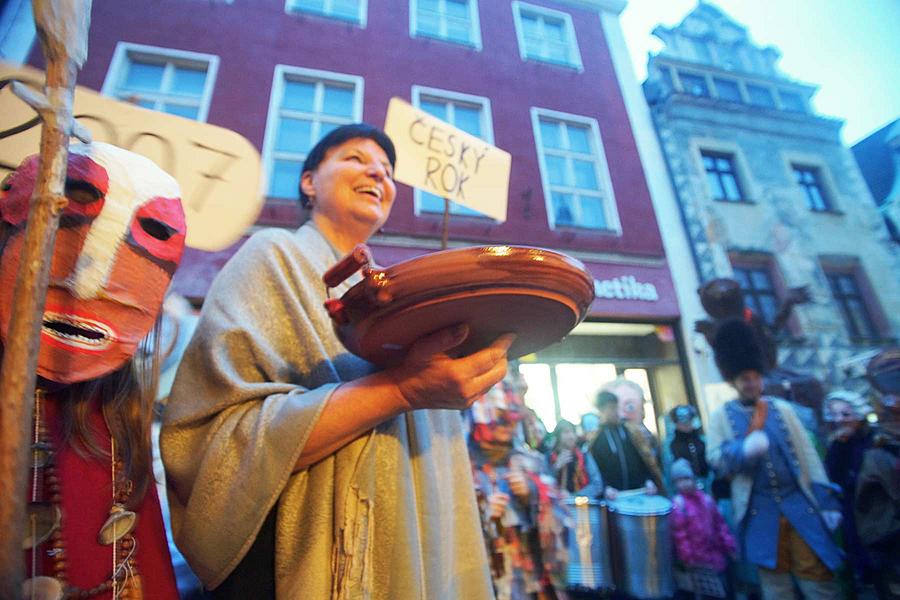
x=702 y=539
x=785 y=508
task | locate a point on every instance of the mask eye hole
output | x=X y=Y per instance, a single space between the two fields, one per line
x=156 y=229
x=82 y=192
x=6 y=184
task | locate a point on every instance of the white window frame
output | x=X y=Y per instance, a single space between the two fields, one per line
x=126 y=50
x=285 y=72
x=291 y=9
x=474 y=43
x=574 y=59
x=750 y=188
x=793 y=159
x=607 y=193
x=487 y=128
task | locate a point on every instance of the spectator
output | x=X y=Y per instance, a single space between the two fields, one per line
x=703 y=542
x=575 y=471
x=624 y=456
x=878 y=488
x=687 y=442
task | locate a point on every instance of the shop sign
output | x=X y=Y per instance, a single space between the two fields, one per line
x=626 y=287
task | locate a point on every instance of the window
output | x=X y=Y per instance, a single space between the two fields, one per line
x=792 y=101
x=760 y=96
x=353 y=11
x=451 y=20
x=694 y=85
x=759 y=293
x=573 y=166
x=172 y=81
x=472 y=114
x=727 y=89
x=721 y=177
x=845 y=290
x=304 y=106
x=809 y=181
x=546 y=35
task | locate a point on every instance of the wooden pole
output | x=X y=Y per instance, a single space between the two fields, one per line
x=445 y=229
x=62 y=28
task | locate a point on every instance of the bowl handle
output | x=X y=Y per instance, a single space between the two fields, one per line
x=359 y=258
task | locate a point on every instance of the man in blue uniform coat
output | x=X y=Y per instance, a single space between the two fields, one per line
x=784 y=505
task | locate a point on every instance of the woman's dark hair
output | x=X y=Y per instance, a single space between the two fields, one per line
x=338 y=136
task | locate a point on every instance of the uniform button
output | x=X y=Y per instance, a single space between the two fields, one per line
x=777 y=498
x=810 y=510
x=769 y=466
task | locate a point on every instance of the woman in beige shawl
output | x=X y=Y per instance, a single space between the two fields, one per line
x=294 y=470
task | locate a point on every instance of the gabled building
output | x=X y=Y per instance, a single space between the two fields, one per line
x=770 y=196
x=538 y=78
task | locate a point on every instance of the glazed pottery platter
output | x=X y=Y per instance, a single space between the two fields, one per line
x=538 y=294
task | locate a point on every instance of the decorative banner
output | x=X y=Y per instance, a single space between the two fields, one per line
x=434 y=156
x=217 y=169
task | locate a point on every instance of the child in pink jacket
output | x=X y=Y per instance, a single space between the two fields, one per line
x=703 y=542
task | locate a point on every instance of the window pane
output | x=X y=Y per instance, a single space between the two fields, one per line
x=578 y=386
x=299 y=95
x=338 y=101
x=458 y=9
x=592 y=213
x=459 y=31
x=550 y=135
x=769 y=308
x=578 y=139
x=760 y=280
x=285 y=179
x=554 y=31
x=144 y=77
x=326 y=128
x=730 y=187
x=348 y=9
x=468 y=119
x=760 y=96
x=434 y=108
x=428 y=23
x=181 y=110
x=727 y=90
x=189 y=82
x=540 y=392
x=556 y=170
x=740 y=275
x=585 y=177
x=860 y=318
x=694 y=84
x=715 y=186
x=294 y=135
x=563 y=210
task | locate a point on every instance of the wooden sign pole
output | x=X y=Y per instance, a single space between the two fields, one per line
x=445 y=228
x=62 y=27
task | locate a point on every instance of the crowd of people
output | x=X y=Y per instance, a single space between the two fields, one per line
x=297 y=470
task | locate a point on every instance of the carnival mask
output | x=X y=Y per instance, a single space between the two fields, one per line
x=120 y=239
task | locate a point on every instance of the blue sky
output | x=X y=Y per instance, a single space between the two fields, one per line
x=850 y=48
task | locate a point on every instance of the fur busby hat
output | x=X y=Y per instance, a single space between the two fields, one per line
x=737 y=349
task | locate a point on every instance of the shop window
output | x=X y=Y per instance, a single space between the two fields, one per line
x=721 y=176
x=172 y=81
x=305 y=105
x=810 y=182
x=845 y=289
x=694 y=85
x=451 y=20
x=574 y=171
x=353 y=11
x=546 y=35
x=472 y=114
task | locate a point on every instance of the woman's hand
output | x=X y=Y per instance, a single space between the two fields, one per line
x=563 y=459
x=428 y=378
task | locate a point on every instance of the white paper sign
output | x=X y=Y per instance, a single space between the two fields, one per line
x=218 y=170
x=434 y=156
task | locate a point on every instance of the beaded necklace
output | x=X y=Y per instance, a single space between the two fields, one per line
x=45 y=527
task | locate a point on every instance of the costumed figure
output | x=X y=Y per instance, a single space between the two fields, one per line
x=575 y=470
x=296 y=469
x=878 y=484
x=703 y=541
x=522 y=513
x=95 y=528
x=784 y=506
x=849 y=438
x=623 y=453
x=723 y=300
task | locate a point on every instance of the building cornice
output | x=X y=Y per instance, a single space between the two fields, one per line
x=744 y=75
x=612 y=6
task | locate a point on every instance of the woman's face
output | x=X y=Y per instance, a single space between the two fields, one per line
x=353 y=186
x=842 y=416
x=567 y=438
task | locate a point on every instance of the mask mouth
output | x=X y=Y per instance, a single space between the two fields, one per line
x=76 y=331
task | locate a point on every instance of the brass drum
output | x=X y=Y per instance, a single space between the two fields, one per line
x=538 y=294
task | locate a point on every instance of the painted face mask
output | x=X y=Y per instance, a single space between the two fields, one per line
x=498 y=407
x=119 y=241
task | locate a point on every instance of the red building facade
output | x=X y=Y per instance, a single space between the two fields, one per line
x=537 y=79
